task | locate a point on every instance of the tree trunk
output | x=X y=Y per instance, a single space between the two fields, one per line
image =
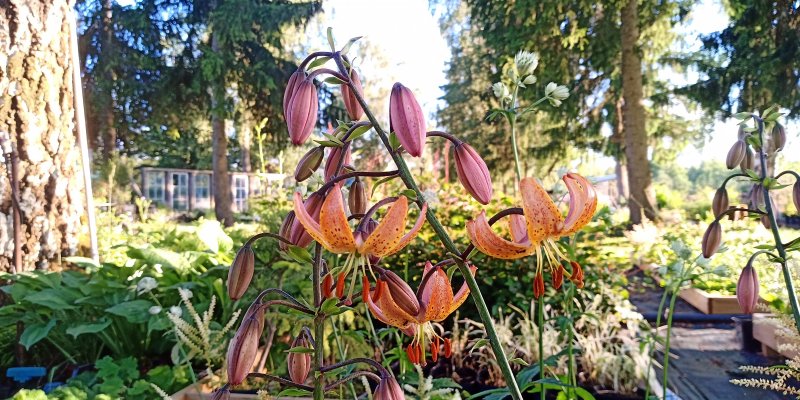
x=642 y=197
x=109 y=133
x=223 y=199
x=37 y=122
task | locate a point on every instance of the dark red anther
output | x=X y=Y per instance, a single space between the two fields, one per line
x=340 y=285
x=327 y=286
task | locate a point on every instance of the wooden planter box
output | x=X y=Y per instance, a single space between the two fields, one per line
x=201 y=391
x=705 y=302
x=709 y=303
x=764 y=332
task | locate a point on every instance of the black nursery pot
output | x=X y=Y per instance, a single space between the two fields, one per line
x=744 y=334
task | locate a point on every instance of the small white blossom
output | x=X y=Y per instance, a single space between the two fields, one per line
x=529 y=80
x=526 y=62
x=500 y=90
x=154 y=310
x=556 y=93
x=176 y=311
x=146 y=285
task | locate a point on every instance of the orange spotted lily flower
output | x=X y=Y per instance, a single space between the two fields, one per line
x=540 y=228
x=394 y=303
x=334 y=233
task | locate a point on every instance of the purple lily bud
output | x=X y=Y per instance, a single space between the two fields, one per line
x=388 y=389
x=406 y=119
x=299 y=364
x=241 y=272
x=473 y=173
x=301 y=112
x=736 y=154
x=354 y=110
x=747 y=289
x=712 y=239
x=243 y=348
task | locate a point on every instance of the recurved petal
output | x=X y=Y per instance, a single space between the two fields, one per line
x=435 y=296
x=389 y=231
x=410 y=235
x=333 y=223
x=385 y=310
x=518 y=229
x=582 y=203
x=541 y=213
x=463 y=292
x=312 y=227
x=482 y=236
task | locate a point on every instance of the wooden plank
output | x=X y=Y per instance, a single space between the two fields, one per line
x=765 y=332
x=696 y=298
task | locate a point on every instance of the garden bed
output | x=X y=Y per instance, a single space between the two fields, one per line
x=703 y=301
x=765 y=333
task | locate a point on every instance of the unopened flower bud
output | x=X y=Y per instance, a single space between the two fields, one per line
x=747 y=289
x=243 y=348
x=354 y=110
x=765 y=222
x=334 y=155
x=748 y=162
x=357 y=198
x=473 y=173
x=778 y=137
x=296 y=77
x=736 y=154
x=720 y=203
x=401 y=292
x=500 y=90
x=577 y=274
x=293 y=230
x=406 y=119
x=388 y=389
x=757 y=196
x=301 y=112
x=299 y=364
x=309 y=163
x=796 y=195
x=241 y=272
x=538 y=286
x=712 y=239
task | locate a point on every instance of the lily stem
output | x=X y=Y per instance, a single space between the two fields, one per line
x=540 y=301
x=787 y=275
x=475 y=291
x=319 y=326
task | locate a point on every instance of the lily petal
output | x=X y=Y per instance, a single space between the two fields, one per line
x=408 y=237
x=333 y=222
x=435 y=296
x=482 y=236
x=462 y=294
x=387 y=234
x=312 y=227
x=518 y=228
x=542 y=215
x=392 y=316
x=582 y=203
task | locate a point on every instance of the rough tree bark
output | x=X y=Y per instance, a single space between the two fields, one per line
x=642 y=196
x=223 y=198
x=37 y=117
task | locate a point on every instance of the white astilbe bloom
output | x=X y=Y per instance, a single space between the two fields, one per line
x=161 y=392
x=154 y=310
x=780 y=378
x=555 y=93
x=200 y=338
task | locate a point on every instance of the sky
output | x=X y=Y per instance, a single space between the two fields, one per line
x=417 y=54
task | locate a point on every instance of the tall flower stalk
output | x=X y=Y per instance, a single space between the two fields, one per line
x=322 y=217
x=763 y=182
